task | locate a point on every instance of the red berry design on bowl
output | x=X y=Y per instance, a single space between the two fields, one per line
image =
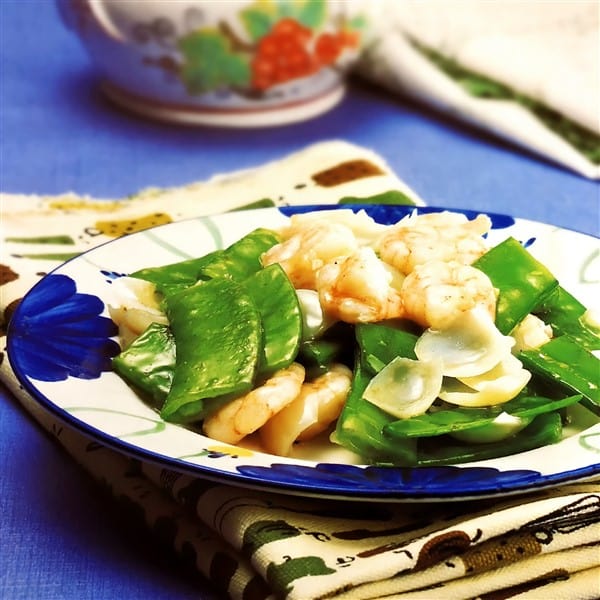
x=328 y=48
x=290 y=51
x=282 y=55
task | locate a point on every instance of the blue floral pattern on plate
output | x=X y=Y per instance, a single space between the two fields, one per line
x=60 y=346
x=59 y=333
x=424 y=481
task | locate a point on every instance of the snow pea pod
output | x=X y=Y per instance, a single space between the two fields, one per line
x=566 y=315
x=217 y=333
x=237 y=261
x=380 y=343
x=316 y=355
x=242 y=258
x=336 y=344
x=175 y=277
x=149 y=362
x=275 y=298
x=543 y=430
x=569 y=365
x=461 y=419
x=522 y=281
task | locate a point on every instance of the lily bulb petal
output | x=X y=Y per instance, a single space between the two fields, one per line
x=470 y=346
x=489 y=391
x=405 y=388
x=314 y=320
x=509 y=365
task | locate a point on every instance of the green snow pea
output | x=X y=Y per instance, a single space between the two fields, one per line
x=566 y=362
x=380 y=343
x=316 y=355
x=543 y=430
x=277 y=302
x=460 y=419
x=336 y=344
x=565 y=314
x=217 y=333
x=242 y=258
x=237 y=261
x=522 y=281
x=175 y=277
x=149 y=362
x=360 y=424
x=526 y=286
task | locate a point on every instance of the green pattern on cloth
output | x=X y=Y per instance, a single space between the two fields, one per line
x=254 y=544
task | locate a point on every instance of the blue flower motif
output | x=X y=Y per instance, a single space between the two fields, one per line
x=57 y=332
x=392 y=481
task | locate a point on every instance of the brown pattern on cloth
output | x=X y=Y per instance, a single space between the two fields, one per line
x=7 y=275
x=7 y=314
x=346 y=171
x=496 y=553
x=530 y=538
x=441 y=547
x=527 y=586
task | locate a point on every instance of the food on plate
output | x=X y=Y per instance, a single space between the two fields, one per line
x=408 y=344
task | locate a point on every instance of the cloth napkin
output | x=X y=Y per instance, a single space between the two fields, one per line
x=527 y=71
x=257 y=544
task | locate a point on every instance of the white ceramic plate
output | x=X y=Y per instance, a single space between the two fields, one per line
x=60 y=346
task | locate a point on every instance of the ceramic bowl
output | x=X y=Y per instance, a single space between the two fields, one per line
x=228 y=63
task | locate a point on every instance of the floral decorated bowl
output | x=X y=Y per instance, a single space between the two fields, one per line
x=227 y=63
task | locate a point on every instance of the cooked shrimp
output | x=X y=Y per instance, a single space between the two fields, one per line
x=437 y=292
x=446 y=220
x=308 y=249
x=246 y=414
x=436 y=236
x=365 y=228
x=319 y=404
x=360 y=288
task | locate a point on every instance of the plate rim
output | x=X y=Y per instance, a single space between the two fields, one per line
x=338 y=492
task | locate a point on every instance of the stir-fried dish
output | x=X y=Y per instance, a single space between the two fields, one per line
x=407 y=344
